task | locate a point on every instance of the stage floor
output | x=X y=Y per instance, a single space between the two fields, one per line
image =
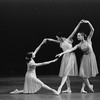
x=8 y=84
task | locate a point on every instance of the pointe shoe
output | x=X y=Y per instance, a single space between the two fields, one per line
x=15 y=91
x=59 y=90
x=91 y=88
x=68 y=91
x=83 y=91
x=56 y=93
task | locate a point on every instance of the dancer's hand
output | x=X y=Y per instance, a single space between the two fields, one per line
x=33 y=54
x=45 y=40
x=84 y=21
x=81 y=22
x=59 y=55
x=29 y=52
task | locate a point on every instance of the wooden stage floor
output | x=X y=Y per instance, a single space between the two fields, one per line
x=8 y=84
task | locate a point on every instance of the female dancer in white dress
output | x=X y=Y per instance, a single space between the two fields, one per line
x=32 y=84
x=69 y=63
x=88 y=67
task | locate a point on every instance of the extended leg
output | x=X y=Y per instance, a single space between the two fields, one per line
x=68 y=86
x=49 y=88
x=88 y=84
x=62 y=83
x=45 y=86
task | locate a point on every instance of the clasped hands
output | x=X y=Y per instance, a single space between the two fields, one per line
x=84 y=21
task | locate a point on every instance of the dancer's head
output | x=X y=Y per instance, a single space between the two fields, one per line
x=30 y=56
x=81 y=36
x=60 y=36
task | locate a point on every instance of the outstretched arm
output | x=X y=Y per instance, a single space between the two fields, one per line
x=37 y=49
x=67 y=51
x=53 y=40
x=45 y=63
x=76 y=28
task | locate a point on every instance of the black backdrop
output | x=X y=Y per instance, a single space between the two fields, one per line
x=25 y=23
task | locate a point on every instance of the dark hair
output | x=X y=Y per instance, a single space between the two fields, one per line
x=60 y=34
x=28 y=57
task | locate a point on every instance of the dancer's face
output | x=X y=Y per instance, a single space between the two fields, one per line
x=79 y=36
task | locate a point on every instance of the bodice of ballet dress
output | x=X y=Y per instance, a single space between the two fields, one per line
x=86 y=48
x=31 y=69
x=65 y=45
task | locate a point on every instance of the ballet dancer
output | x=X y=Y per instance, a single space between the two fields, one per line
x=32 y=84
x=69 y=63
x=88 y=67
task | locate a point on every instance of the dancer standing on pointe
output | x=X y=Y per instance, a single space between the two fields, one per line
x=32 y=84
x=69 y=63
x=88 y=67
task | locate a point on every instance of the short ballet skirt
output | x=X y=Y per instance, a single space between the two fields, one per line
x=31 y=84
x=88 y=67
x=68 y=65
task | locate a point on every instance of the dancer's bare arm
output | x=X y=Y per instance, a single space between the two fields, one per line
x=37 y=49
x=67 y=51
x=45 y=63
x=91 y=29
x=53 y=40
x=76 y=28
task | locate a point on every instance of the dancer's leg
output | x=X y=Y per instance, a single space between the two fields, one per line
x=88 y=83
x=68 y=86
x=83 y=88
x=49 y=88
x=45 y=86
x=68 y=83
x=62 y=83
x=69 y=67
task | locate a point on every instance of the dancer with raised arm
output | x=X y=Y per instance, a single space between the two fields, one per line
x=37 y=49
x=69 y=63
x=88 y=67
x=32 y=84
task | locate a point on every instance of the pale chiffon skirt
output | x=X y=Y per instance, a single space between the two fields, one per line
x=68 y=65
x=88 y=67
x=32 y=83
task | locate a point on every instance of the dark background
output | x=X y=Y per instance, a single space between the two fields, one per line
x=25 y=23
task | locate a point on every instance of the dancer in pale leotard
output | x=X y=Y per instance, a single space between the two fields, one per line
x=69 y=63
x=88 y=67
x=32 y=84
